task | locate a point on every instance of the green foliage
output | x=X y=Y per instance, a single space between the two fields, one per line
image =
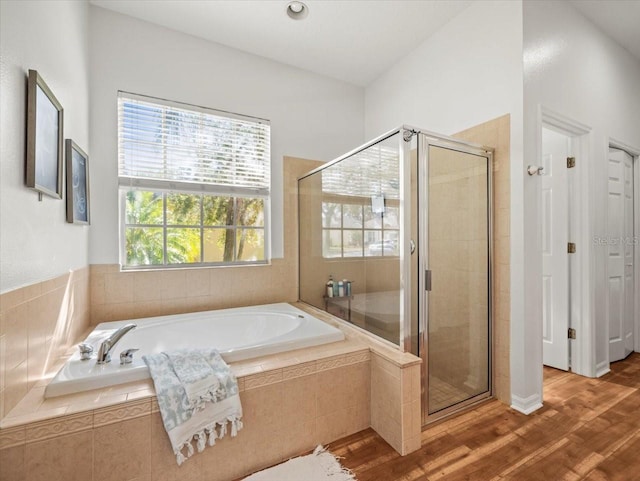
x=144 y=207
x=183 y=246
x=144 y=246
x=188 y=218
x=183 y=209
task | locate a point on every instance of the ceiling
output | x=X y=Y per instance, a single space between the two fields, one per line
x=350 y=40
x=620 y=19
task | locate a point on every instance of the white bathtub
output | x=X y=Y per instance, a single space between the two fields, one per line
x=239 y=333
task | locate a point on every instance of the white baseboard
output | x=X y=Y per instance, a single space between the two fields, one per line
x=526 y=405
x=602 y=368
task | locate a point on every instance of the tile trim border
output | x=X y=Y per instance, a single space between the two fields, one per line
x=57 y=427
x=122 y=412
x=12 y=437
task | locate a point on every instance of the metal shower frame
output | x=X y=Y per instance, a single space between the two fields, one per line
x=426 y=139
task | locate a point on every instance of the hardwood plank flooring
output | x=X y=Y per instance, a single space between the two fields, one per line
x=588 y=429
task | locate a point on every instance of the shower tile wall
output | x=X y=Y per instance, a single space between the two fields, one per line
x=458 y=303
x=496 y=133
x=38 y=323
x=369 y=275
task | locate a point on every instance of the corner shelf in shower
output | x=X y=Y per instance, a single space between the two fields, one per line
x=333 y=306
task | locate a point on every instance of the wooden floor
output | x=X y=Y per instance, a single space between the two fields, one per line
x=587 y=429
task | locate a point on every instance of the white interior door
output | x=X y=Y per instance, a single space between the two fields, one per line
x=620 y=230
x=555 y=238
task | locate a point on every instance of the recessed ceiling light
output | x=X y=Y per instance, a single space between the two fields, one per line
x=297 y=10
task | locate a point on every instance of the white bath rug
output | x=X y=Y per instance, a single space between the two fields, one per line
x=319 y=466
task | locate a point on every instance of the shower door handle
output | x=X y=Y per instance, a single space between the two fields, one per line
x=427 y=280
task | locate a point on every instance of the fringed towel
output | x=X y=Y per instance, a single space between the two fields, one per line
x=196 y=375
x=198 y=395
x=319 y=466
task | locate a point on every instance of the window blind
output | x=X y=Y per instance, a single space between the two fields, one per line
x=169 y=145
x=372 y=171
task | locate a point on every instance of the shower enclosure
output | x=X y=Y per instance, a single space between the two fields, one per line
x=395 y=238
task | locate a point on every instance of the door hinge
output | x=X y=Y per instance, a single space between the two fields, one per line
x=571 y=162
x=571 y=248
x=427 y=280
x=572 y=333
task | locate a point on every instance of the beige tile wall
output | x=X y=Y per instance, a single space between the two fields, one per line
x=117 y=295
x=286 y=412
x=369 y=274
x=496 y=133
x=395 y=403
x=395 y=387
x=458 y=302
x=37 y=325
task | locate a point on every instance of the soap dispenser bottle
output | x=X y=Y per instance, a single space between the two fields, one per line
x=330 y=286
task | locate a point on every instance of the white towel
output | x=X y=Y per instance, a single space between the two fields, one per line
x=196 y=375
x=184 y=422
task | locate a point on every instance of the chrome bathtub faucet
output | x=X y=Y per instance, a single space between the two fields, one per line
x=104 y=353
x=126 y=356
x=85 y=351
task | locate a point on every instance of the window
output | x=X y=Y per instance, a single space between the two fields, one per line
x=350 y=227
x=354 y=230
x=194 y=184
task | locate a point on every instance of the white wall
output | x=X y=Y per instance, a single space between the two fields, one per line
x=469 y=72
x=51 y=37
x=311 y=116
x=573 y=69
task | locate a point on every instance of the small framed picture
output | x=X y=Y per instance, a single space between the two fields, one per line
x=44 y=138
x=77 y=184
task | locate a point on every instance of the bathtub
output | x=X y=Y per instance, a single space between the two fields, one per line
x=239 y=334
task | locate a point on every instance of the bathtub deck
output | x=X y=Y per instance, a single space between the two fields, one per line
x=34 y=407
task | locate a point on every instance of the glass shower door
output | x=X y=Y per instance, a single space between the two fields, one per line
x=457 y=277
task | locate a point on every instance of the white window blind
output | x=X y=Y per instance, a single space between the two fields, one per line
x=166 y=145
x=372 y=171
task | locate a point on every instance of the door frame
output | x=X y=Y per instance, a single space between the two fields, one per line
x=634 y=152
x=581 y=349
x=426 y=139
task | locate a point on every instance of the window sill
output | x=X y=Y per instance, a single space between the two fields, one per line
x=208 y=265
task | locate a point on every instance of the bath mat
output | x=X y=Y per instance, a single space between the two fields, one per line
x=319 y=466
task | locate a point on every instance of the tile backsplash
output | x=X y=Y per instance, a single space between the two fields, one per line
x=38 y=323
x=117 y=295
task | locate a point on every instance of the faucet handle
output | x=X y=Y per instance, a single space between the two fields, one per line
x=85 y=351
x=126 y=356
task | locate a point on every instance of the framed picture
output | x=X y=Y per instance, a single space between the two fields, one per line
x=77 y=184
x=44 y=138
